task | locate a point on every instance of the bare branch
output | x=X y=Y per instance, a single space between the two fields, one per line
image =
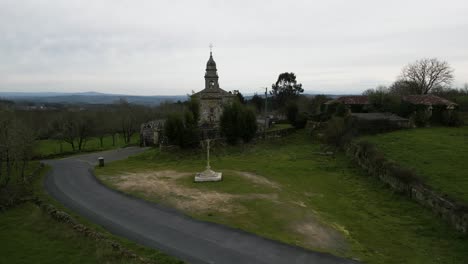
x=428 y=74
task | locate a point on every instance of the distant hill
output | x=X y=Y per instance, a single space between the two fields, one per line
x=88 y=98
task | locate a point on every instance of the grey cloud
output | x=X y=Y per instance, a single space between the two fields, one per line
x=161 y=47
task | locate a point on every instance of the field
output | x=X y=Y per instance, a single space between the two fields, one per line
x=29 y=235
x=439 y=155
x=54 y=148
x=288 y=191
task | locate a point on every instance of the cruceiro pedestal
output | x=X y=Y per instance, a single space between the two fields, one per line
x=208 y=175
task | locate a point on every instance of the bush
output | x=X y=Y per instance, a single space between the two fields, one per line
x=291 y=112
x=296 y=119
x=182 y=130
x=238 y=122
x=249 y=125
x=301 y=121
x=451 y=118
x=339 y=131
x=341 y=110
x=420 y=118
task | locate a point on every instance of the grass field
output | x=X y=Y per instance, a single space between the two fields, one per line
x=51 y=147
x=439 y=155
x=29 y=235
x=295 y=195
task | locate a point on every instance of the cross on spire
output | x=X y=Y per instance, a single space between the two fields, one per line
x=211 y=47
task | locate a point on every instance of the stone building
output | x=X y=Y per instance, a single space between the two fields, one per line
x=212 y=98
x=151 y=133
x=354 y=103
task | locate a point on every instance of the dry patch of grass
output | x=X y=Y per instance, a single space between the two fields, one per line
x=176 y=189
x=258 y=179
x=316 y=235
x=163 y=186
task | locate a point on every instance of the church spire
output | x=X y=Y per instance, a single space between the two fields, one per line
x=211 y=75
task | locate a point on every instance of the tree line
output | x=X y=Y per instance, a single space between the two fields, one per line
x=74 y=125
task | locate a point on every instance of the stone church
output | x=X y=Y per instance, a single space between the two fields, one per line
x=212 y=98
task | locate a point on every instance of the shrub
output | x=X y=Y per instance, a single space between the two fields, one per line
x=451 y=118
x=420 y=118
x=249 y=125
x=291 y=112
x=383 y=101
x=339 y=131
x=194 y=108
x=182 y=130
x=238 y=122
x=301 y=121
x=341 y=110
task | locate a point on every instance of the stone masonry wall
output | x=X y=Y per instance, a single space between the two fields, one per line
x=406 y=182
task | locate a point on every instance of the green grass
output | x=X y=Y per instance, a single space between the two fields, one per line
x=51 y=147
x=29 y=235
x=379 y=226
x=439 y=155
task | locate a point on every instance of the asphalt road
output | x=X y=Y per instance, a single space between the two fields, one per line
x=72 y=183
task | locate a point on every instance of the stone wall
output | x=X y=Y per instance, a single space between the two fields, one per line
x=408 y=183
x=151 y=132
x=65 y=218
x=210 y=111
x=276 y=133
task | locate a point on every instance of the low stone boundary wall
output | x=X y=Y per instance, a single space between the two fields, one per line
x=276 y=133
x=408 y=183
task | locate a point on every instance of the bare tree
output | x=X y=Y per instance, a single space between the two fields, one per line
x=6 y=146
x=16 y=146
x=65 y=128
x=24 y=140
x=428 y=74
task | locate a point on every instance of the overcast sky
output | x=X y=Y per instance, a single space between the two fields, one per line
x=161 y=47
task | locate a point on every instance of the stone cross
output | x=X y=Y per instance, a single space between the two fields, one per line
x=208 y=174
x=208 y=154
x=211 y=47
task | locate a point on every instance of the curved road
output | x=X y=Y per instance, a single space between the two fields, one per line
x=72 y=183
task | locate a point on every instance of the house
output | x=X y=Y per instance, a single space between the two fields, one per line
x=151 y=133
x=429 y=101
x=435 y=108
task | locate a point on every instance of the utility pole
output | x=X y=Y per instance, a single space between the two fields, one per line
x=266 y=98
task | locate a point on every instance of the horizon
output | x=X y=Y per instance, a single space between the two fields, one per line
x=162 y=49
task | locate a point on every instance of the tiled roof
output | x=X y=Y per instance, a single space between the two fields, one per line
x=427 y=99
x=213 y=93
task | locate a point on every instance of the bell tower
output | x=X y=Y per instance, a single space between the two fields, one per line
x=211 y=74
